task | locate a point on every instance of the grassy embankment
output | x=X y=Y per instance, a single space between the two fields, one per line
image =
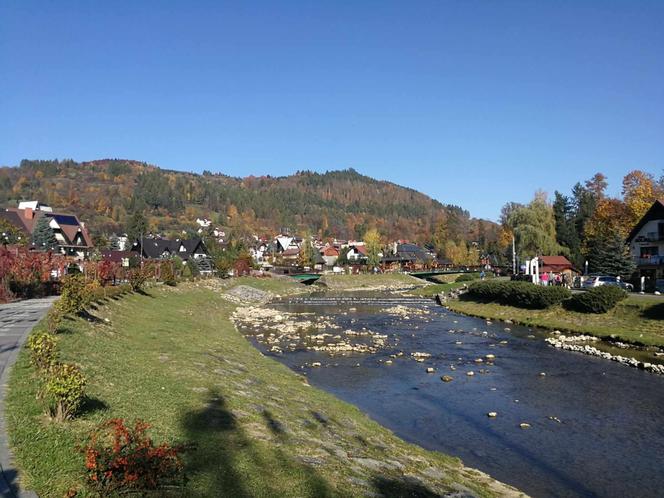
x=371 y=282
x=637 y=319
x=174 y=359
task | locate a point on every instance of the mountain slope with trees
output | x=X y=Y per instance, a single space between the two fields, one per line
x=345 y=204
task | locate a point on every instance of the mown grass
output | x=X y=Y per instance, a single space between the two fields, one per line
x=433 y=289
x=173 y=359
x=370 y=281
x=637 y=320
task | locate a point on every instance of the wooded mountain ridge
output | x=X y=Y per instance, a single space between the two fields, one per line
x=344 y=204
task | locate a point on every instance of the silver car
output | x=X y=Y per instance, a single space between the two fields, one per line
x=599 y=280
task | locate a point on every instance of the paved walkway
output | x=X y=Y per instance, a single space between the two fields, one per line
x=16 y=322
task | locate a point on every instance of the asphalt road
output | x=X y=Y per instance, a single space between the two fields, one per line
x=16 y=322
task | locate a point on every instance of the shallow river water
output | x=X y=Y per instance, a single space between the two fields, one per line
x=596 y=427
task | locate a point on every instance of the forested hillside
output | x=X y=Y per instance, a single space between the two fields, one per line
x=105 y=193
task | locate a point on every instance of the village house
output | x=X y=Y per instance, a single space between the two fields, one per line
x=556 y=265
x=646 y=244
x=330 y=255
x=406 y=256
x=188 y=249
x=357 y=252
x=71 y=234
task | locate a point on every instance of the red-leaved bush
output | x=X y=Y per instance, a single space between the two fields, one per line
x=119 y=458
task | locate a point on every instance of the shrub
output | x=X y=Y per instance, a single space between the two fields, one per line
x=64 y=389
x=137 y=278
x=42 y=349
x=121 y=459
x=519 y=294
x=53 y=320
x=597 y=300
x=74 y=294
x=168 y=275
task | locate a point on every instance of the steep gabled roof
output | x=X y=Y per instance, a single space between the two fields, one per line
x=155 y=248
x=411 y=252
x=555 y=261
x=656 y=212
x=14 y=219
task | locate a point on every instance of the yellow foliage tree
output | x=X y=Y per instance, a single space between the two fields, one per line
x=639 y=192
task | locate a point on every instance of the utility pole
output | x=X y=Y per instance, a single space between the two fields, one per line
x=513 y=256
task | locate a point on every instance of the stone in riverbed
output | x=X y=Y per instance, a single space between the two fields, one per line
x=524 y=425
x=430 y=370
x=446 y=378
x=316 y=364
x=492 y=414
x=470 y=374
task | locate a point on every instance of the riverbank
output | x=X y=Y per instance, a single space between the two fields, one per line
x=638 y=320
x=173 y=358
x=382 y=282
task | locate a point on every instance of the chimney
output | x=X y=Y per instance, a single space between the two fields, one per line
x=29 y=213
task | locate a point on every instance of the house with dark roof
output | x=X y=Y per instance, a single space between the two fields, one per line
x=646 y=244
x=406 y=256
x=71 y=234
x=157 y=248
x=193 y=249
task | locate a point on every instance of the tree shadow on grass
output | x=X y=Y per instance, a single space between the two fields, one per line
x=86 y=315
x=144 y=293
x=654 y=312
x=402 y=488
x=92 y=405
x=226 y=461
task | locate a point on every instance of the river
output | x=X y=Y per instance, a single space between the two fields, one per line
x=596 y=427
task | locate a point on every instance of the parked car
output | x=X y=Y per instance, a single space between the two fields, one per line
x=598 y=280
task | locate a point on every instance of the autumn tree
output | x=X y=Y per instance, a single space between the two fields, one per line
x=10 y=234
x=306 y=256
x=597 y=185
x=372 y=242
x=611 y=216
x=639 y=191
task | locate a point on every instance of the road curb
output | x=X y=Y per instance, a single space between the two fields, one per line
x=9 y=483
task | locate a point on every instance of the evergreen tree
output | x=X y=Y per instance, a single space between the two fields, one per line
x=566 y=234
x=609 y=255
x=42 y=236
x=114 y=242
x=137 y=227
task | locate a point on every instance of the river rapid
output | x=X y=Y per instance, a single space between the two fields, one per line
x=594 y=427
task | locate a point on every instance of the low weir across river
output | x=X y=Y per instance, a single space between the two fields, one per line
x=596 y=428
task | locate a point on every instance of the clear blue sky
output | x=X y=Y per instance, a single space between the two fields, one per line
x=472 y=102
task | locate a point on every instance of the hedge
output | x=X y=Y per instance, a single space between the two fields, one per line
x=519 y=294
x=597 y=300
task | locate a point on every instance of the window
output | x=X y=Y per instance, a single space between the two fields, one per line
x=648 y=251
